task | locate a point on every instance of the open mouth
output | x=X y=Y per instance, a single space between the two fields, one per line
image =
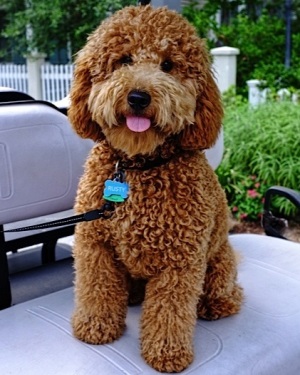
x=138 y=124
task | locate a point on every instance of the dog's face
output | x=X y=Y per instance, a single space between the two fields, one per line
x=142 y=77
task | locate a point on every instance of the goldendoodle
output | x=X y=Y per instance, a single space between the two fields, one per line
x=143 y=90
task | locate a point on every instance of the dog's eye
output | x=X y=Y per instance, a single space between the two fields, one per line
x=126 y=60
x=166 y=66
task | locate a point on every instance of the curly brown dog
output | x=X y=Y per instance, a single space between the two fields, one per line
x=144 y=91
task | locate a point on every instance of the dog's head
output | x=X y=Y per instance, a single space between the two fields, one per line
x=144 y=76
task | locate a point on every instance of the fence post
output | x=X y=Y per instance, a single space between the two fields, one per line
x=34 y=62
x=224 y=66
x=284 y=94
x=255 y=95
x=295 y=97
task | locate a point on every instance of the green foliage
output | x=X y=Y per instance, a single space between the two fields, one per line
x=47 y=25
x=244 y=33
x=231 y=99
x=203 y=19
x=248 y=194
x=262 y=148
x=258 y=30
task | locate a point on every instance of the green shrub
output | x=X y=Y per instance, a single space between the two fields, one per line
x=257 y=60
x=262 y=148
x=260 y=37
x=204 y=19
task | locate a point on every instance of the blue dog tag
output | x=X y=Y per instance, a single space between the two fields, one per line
x=115 y=191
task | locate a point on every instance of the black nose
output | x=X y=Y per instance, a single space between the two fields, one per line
x=138 y=100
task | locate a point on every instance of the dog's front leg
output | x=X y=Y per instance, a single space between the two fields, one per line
x=169 y=318
x=101 y=294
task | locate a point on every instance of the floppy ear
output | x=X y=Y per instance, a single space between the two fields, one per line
x=203 y=133
x=78 y=113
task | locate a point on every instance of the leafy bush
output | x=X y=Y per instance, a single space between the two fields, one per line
x=47 y=25
x=260 y=37
x=262 y=148
x=256 y=59
x=203 y=19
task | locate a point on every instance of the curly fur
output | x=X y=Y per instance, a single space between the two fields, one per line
x=167 y=243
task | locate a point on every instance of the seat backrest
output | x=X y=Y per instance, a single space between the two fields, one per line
x=215 y=154
x=41 y=161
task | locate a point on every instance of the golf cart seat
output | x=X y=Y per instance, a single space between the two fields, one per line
x=41 y=161
x=263 y=339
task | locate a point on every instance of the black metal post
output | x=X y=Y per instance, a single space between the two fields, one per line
x=5 y=291
x=288 y=33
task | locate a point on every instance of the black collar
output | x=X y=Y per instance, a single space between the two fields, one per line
x=142 y=163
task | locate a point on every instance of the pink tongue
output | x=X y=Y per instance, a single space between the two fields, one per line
x=138 y=124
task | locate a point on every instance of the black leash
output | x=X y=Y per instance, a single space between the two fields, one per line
x=105 y=212
x=116 y=191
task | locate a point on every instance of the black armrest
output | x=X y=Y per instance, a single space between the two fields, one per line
x=292 y=195
x=270 y=223
x=8 y=94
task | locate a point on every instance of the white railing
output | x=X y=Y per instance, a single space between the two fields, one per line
x=258 y=95
x=14 y=76
x=56 y=81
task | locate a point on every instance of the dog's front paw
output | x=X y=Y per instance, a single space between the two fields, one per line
x=97 y=330
x=167 y=357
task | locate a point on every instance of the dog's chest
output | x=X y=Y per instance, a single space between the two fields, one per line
x=155 y=226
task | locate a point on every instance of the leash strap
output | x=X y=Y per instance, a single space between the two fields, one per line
x=105 y=212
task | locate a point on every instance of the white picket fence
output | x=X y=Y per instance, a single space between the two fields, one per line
x=14 y=76
x=56 y=79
